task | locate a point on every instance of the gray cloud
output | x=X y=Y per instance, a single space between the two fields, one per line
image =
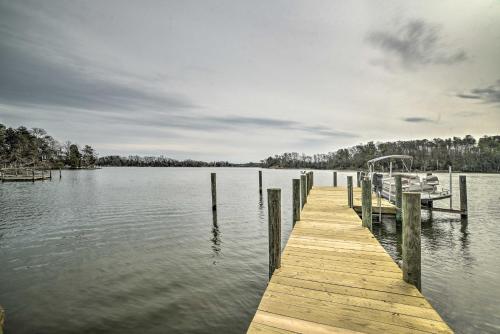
x=418 y=120
x=414 y=44
x=29 y=78
x=490 y=94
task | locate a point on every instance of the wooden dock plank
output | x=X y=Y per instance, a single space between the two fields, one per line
x=335 y=277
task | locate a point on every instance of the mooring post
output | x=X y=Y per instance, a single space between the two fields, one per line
x=260 y=182
x=33 y=171
x=50 y=173
x=358 y=179
x=303 y=186
x=379 y=203
x=60 y=175
x=366 y=203
x=411 y=239
x=349 y=191
x=213 y=177
x=296 y=200
x=334 y=179
x=309 y=182
x=463 y=196
x=274 y=217
x=451 y=186
x=399 y=197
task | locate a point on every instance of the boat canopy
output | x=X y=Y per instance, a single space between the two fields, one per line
x=388 y=157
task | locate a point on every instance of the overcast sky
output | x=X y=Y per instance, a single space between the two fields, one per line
x=241 y=80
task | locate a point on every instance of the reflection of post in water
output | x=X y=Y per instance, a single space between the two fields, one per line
x=261 y=212
x=465 y=233
x=216 y=242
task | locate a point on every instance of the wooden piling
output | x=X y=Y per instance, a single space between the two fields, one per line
x=358 y=179
x=463 y=195
x=260 y=182
x=308 y=182
x=451 y=186
x=349 y=191
x=33 y=174
x=303 y=187
x=296 y=200
x=60 y=175
x=366 y=203
x=334 y=179
x=399 y=197
x=411 y=239
x=50 y=173
x=274 y=218
x=213 y=178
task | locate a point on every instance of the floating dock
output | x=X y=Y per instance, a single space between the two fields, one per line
x=24 y=175
x=335 y=277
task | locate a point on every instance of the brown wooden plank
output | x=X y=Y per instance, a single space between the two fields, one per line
x=335 y=277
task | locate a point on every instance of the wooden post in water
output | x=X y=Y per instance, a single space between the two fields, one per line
x=451 y=186
x=303 y=186
x=349 y=191
x=296 y=200
x=334 y=179
x=366 y=203
x=411 y=239
x=60 y=175
x=33 y=172
x=213 y=178
x=358 y=179
x=399 y=197
x=308 y=177
x=50 y=173
x=274 y=217
x=260 y=182
x=463 y=196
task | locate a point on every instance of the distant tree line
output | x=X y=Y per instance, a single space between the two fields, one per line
x=466 y=154
x=35 y=148
x=137 y=161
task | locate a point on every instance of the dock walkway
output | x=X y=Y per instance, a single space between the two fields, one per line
x=336 y=278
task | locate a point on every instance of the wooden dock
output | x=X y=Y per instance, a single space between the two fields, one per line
x=336 y=278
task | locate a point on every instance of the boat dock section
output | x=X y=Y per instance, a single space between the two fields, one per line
x=335 y=277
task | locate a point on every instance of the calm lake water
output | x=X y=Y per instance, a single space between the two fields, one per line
x=135 y=250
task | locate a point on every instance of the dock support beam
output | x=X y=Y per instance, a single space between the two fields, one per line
x=399 y=197
x=451 y=186
x=463 y=196
x=260 y=182
x=358 y=179
x=303 y=186
x=60 y=175
x=366 y=203
x=33 y=172
x=349 y=191
x=296 y=200
x=334 y=179
x=274 y=217
x=213 y=177
x=411 y=239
